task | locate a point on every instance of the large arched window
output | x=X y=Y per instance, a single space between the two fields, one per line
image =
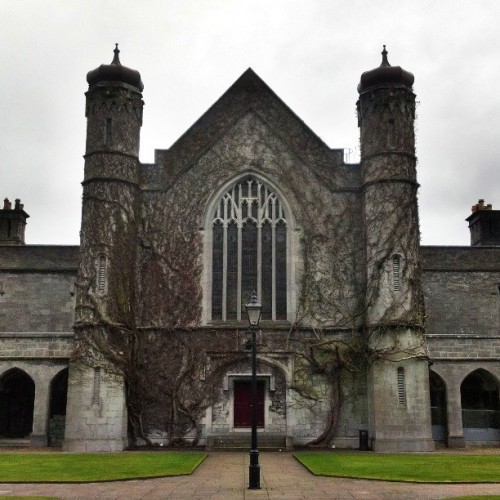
x=249 y=251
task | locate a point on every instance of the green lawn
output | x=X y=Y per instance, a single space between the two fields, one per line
x=65 y=467
x=405 y=467
x=475 y=497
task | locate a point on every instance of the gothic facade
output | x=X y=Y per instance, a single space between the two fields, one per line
x=138 y=334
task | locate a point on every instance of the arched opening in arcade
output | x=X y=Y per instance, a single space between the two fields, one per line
x=439 y=413
x=481 y=407
x=17 y=399
x=57 y=408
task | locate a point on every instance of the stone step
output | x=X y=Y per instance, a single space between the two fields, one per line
x=15 y=443
x=242 y=441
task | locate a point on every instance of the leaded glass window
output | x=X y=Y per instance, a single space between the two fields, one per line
x=249 y=251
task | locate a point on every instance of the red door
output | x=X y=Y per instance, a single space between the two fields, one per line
x=243 y=403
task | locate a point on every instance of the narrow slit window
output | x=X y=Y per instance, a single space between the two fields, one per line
x=401 y=387
x=101 y=274
x=96 y=396
x=109 y=131
x=396 y=272
x=391 y=143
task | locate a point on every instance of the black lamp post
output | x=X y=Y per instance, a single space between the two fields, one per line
x=254 y=310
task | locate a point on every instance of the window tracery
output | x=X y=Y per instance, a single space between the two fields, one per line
x=249 y=251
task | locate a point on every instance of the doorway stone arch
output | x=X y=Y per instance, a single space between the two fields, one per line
x=57 y=408
x=439 y=407
x=480 y=397
x=17 y=401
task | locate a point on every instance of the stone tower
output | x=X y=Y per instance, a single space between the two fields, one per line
x=96 y=412
x=399 y=402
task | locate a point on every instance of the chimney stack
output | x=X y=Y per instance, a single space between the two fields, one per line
x=484 y=225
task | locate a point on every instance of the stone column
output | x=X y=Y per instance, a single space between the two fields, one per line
x=455 y=424
x=41 y=412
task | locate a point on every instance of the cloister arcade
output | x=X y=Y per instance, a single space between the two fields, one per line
x=465 y=409
x=33 y=403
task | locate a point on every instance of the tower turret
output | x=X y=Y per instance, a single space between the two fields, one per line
x=105 y=293
x=386 y=114
x=394 y=307
x=110 y=188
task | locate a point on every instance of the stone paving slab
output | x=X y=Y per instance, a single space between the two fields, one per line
x=223 y=475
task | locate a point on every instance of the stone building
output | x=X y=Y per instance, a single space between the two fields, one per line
x=362 y=328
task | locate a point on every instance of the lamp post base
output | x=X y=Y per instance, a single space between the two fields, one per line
x=254 y=471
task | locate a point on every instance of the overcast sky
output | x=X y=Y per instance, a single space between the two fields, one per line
x=311 y=53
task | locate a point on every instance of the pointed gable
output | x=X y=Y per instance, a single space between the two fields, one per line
x=248 y=94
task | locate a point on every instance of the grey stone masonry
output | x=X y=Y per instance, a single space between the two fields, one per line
x=440 y=258
x=41 y=258
x=461 y=290
x=37 y=288
x=461 y=347
x=22 y=345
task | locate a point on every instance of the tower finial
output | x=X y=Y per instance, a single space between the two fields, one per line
x=385 y=62
x=116 y=59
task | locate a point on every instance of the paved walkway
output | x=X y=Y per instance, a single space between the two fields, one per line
x=224 y=475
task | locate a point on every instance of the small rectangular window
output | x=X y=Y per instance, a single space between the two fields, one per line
x=97 y=386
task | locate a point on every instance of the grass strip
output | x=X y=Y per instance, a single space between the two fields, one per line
x=475 y=497
x=76 y=468
x=415 y=467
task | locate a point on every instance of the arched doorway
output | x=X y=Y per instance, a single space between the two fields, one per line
x=57 y=410
x=480 y=407
x=17 y=399
x=439 y=414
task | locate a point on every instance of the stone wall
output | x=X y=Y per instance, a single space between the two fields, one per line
x=462 y=301
x=56 y=345
x=37 y=288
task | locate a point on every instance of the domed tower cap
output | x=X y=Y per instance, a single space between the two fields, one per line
x=115 y=72
x=385 y=76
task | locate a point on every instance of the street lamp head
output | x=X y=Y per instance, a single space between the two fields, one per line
x=254 y=310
